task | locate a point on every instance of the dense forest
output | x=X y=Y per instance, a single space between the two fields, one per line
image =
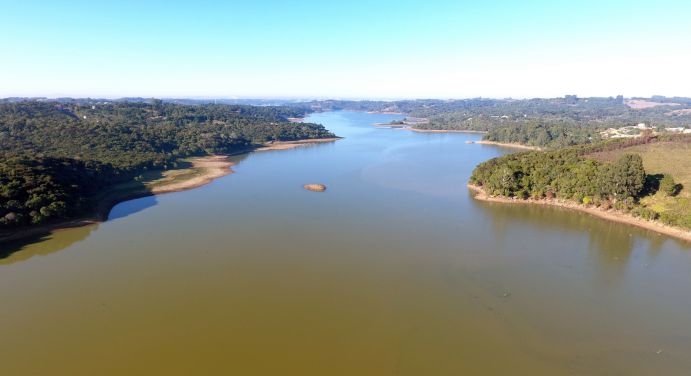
x=36 y=190
x=54 y=156
x=570 y=174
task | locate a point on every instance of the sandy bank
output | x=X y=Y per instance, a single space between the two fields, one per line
x=283 y=145
x=207 y=169
x=203 y=170
x=508 y=145
x=611 y=215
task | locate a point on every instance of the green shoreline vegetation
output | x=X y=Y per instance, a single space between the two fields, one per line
x=57 y=159
x=606 y=175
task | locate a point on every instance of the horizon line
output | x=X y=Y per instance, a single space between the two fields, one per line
x=325 y=98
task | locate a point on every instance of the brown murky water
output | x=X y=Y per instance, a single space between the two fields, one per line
x=394 y=270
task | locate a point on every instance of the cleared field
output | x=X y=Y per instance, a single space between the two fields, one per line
x=640 y=104
x=672 y=158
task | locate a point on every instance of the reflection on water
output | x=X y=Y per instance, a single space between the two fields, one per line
x=605 y=237
x=610 y=246
x=135 y=206
x=394 y=270
x=43 y=245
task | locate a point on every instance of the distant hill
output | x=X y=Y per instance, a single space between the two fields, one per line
x=550 y=122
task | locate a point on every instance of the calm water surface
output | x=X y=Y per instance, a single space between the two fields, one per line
x=394 y=270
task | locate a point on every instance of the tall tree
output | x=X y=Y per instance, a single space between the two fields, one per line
x=625 y=177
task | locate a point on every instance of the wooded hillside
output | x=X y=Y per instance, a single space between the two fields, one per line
x=55 y=156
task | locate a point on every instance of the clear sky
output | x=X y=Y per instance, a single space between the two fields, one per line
x=348 y=49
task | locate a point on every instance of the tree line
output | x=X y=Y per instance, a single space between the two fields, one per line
x=542 y=135
x=568 y=174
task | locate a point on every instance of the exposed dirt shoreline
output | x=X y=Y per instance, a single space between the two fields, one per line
x=508 y=145
x=611 y=215
x=203 y=170
x=213 y=167
x=283 y=145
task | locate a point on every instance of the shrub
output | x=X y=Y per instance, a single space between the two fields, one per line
x=578 y=197
x=667 y=185
x=645 y=213
x=619 y=205
x=667 y=218
x=649 y=214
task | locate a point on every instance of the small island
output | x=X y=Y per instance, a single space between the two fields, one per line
x=315 y=187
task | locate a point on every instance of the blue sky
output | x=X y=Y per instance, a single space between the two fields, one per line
x=353 y=49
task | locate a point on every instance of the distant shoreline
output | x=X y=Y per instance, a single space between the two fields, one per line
x=410 y=127
x=610 y=215
x=508 y=145
x=419 y=130
x=203 y=171
x=284 y=145
x=385 y=112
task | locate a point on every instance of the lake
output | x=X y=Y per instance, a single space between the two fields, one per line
x=394 y=270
